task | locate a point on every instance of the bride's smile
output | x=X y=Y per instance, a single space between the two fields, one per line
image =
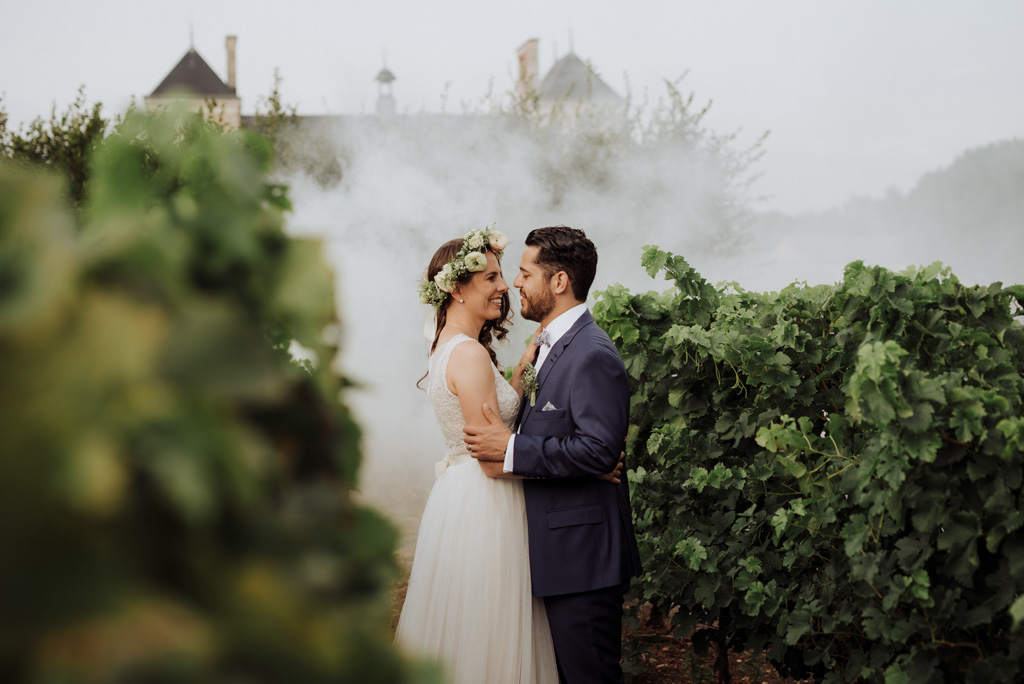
x=486 y=292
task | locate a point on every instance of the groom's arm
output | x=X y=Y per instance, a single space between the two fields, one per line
x=599 y=396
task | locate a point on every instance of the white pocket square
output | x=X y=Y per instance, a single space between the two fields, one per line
x=549 y=407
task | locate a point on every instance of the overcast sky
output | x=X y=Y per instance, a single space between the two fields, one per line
x=859 y=96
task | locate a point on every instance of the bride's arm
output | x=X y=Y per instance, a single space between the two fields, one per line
x=496 y=469
x=470 y=377
x=529 y=354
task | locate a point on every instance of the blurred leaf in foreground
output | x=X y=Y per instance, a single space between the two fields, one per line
x=175 y=492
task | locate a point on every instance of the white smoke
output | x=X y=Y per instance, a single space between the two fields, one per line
x=410 y=183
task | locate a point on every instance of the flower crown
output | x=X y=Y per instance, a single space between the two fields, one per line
x=470 y=259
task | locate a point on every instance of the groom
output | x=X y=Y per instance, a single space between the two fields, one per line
x=582 y=548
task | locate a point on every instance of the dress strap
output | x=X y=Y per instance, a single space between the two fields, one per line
x=445 y=353
x=439 y=386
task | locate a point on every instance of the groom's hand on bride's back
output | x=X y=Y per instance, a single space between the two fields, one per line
x=487 y=442
x=614 y=476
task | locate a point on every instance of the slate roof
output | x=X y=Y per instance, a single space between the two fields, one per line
x=193 y=74
x=571 y=77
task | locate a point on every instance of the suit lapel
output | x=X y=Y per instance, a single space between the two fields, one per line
x=556 y=352
x=524 y=400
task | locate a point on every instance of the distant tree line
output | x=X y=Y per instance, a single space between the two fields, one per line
x=66 y=140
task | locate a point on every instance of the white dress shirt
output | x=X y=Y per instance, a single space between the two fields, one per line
x=555 y=330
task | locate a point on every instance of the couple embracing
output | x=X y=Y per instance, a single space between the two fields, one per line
x=526 y=544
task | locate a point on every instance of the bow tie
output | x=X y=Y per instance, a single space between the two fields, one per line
x=541 y=338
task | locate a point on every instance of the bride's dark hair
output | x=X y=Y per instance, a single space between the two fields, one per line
x=493 y=329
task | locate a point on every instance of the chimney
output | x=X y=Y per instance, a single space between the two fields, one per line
x=528 y=68
x=230 y=44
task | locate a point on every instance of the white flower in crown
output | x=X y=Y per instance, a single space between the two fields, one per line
x=476 y=261
x=470 y=259
x=444 y=279
x=497 y=240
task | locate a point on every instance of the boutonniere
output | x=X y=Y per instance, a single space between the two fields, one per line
x=530 y=383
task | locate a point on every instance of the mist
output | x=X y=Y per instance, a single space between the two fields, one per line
x=969 y=215
x=409 y=183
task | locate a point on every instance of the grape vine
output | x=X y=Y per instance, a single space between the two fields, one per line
x=831 y=473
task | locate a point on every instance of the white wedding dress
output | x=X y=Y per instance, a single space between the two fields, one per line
x=469 y=602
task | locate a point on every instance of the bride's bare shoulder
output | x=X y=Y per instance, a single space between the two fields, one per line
x=469 y=352
x=468 y=366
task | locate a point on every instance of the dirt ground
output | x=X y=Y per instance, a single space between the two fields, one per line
x=667 y=660
x=670 y=660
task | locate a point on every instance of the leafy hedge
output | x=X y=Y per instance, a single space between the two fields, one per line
x=175 y=492
x=832 y=473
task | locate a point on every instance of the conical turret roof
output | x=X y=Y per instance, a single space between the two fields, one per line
x=570 y=77
x=193 y=74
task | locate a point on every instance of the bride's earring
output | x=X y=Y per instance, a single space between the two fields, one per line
x=461 y=302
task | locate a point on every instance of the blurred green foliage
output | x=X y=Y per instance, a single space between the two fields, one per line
x=175 y=492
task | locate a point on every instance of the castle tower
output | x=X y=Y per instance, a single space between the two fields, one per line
x=194 y=83
x=571 y=86
x=385 y=98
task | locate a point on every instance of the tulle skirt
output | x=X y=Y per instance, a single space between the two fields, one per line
x=469 y=602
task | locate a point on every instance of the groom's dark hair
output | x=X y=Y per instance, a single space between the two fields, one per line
x=566 y=249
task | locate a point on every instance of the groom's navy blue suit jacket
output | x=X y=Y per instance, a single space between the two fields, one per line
x=581 y=529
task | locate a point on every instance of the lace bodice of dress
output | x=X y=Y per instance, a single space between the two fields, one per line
x=446 y=404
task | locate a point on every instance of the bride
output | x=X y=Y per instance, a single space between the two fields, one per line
x=469 y=602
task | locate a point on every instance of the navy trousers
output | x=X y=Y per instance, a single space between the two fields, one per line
x=587 y=632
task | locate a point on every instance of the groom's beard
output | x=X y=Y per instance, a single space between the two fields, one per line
x=538 y=307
